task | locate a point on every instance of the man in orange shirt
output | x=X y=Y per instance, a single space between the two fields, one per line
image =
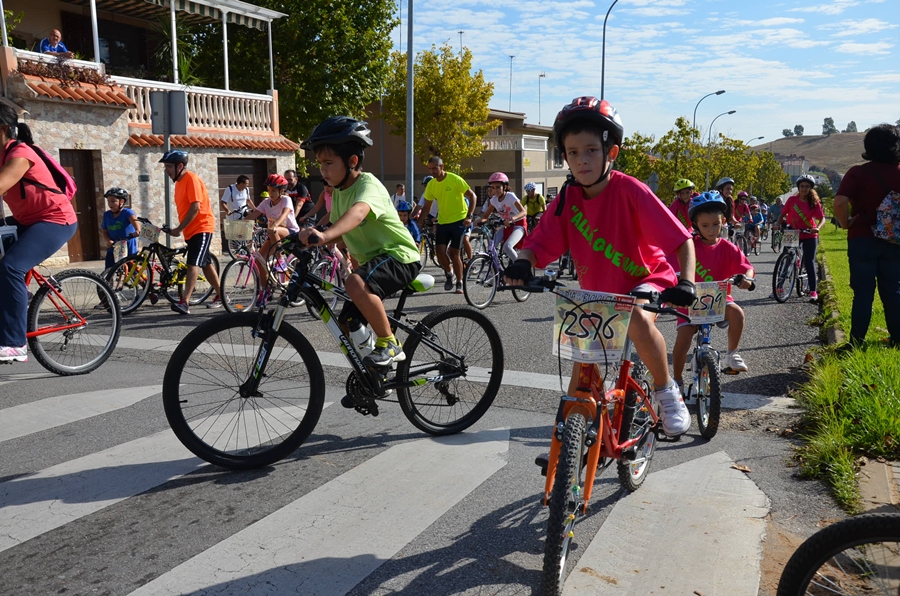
x=197 y=225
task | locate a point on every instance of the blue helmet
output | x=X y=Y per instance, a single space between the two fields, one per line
x=404 y=206
x=707 y=202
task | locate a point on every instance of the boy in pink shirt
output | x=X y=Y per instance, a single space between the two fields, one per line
x=619 y=234
x=717 y=260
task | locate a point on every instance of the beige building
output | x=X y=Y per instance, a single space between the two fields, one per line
x=102 y=133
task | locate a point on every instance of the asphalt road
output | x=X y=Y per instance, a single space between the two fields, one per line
x=104 y=503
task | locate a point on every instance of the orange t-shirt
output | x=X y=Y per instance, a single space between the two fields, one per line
x=190 y=189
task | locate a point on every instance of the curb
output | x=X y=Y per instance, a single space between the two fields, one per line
x=833 y=334
x=879 y=485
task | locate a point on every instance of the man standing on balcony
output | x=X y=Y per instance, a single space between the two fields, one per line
x=299 y=194
x=54 y=45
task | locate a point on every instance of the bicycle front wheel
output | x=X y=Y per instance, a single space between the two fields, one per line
x=74 y=323
x=709 y=396
x=480 y=281
x=457 y=364
x=636 y=423
x=756 y=247
x=783 y=278
x=329 y=271
x=802 y=281
x=566 y=498
x=208 y=403
x=858 y=555
x=130 y=281
x=240 y=284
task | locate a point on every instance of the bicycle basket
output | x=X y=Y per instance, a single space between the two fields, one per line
x=149 y=234
x=709 y=305
x=239 y=230
x=790 y=238
x=591 y=326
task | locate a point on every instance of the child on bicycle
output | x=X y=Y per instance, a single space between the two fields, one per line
x=752 y=223
x=364 y=216
x=619 y=234
x=717 y=260
x=510 y=210
x=280 y=219
x=119 y=223
x=403 y=211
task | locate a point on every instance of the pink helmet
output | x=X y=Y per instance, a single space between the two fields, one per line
x=498 y=177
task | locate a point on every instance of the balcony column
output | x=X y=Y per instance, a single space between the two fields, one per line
x=271 y=62
x=174 y=42
x=3 y=23
x=225 y=43
x=95 y=35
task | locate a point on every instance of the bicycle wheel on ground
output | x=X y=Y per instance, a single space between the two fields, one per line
x=776 y=241
x=480 y=281
x=423 y=253
x=783 y=278
x=565 y=500
x=130 y=282
x=218 y=421
x=637 y=419
x=86 y=313
x=458 y=340
x=709 y=396
x=236 y=248
x=802 y=284
x=178 y=276
x=329 y=271
x=858 y=555
x=764 y=235
x=240 y=283
x=756 y=244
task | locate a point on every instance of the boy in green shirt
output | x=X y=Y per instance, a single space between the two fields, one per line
x=365 y=219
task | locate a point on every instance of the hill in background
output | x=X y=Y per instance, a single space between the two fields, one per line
x=837 y=151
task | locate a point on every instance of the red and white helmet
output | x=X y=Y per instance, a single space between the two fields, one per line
x=598 y=111
x=498 y=177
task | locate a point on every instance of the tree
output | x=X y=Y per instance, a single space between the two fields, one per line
x=451 y=104
x=787 y=132
x=798 y=130
x=634 y=156
x=850 y=127
x=828 y=127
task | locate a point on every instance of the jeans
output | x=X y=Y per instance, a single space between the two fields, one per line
x=36 y=243
x=809 y=246
x=872 y=259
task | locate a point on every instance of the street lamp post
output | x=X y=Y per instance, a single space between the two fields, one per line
x=694 y=121
x=709 y=144
x=543 y=75
x=460 y=42
x=748 y=141
x=603 y=54
x=510 y=83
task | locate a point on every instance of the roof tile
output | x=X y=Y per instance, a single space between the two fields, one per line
x=188 y=141
x=96 y=94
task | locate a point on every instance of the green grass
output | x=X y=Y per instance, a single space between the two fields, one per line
x=852 y=400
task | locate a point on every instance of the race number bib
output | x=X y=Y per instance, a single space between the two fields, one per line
x=791 y=238
x=591 y=326
x=709 y=305
x=149 y=234
x=120 y=250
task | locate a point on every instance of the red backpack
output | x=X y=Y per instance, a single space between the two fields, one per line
x=65 y=184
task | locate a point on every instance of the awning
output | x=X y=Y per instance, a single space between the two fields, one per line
x=240 y=13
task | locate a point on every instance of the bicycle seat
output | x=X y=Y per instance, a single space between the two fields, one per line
x=422 y=283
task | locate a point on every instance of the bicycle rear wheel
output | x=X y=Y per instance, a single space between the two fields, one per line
x=802 y=281
x=178 y=276
x=756 y=244
x=202 y=392
x=638 y=422
x=566 y=498
x=858 y=555
x=329 y=271
x=709 y=396
x=480 y=281
x=74 y=326
x=130 y=281
x=240 y=283
x=783 y=278
x=466 y=342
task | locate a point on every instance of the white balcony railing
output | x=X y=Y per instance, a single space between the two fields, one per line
x=514 y=143
x=207 y=108
x=51 y=59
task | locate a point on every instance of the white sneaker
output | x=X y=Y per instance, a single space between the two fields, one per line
x=676 y=420
x=735 y=363
x=13 y=354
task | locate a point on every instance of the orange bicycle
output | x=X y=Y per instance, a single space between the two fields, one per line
x=594 y=426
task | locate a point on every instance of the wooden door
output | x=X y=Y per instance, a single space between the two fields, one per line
x=85 y=244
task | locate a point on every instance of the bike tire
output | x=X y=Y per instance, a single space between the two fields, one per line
x=802 y=285
x=432 y=254
x=756 y=247
x=82 y=349
x=174 y=289
x=202 y=401
x=327 y=271
x=449 y=406
x=782 y=275
x=776 y=242
x=839 y=559
x=240 y=284
x=635 y=417
x=236 y=248
x=480 y=280
x=565 y=498
x=709 y=396
x=130 y=281
x=423 y=253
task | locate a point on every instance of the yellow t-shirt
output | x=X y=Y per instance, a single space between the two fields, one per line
x=450 y=196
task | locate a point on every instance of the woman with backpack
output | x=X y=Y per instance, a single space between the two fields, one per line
x=872 y=259
x=45 y=221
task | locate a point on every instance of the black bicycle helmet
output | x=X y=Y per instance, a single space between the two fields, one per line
x=338 y=130
x=119 y=193
x=175 y=156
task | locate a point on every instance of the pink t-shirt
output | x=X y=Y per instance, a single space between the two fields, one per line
x=680 y=210
x=800 y=216
x=38 y=204
x=619 y=239
x=741 y=210
x=718 y=262
x=273 y=211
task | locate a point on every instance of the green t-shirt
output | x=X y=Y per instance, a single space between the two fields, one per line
x=450 y=196
x=381 y=232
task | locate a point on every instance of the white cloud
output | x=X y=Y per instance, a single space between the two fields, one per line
x=847 y=28
x=869 y=49
x=835 y=7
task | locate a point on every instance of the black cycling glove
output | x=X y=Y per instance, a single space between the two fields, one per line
x=520 y=269
x=682 y=294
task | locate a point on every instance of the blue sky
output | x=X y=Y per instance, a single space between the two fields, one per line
x=780 y=63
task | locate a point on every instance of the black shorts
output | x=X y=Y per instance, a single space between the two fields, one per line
x=198 y=249
x=385 y=275
x=450 y=234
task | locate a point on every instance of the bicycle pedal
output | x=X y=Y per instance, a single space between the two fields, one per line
x=729 y=371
